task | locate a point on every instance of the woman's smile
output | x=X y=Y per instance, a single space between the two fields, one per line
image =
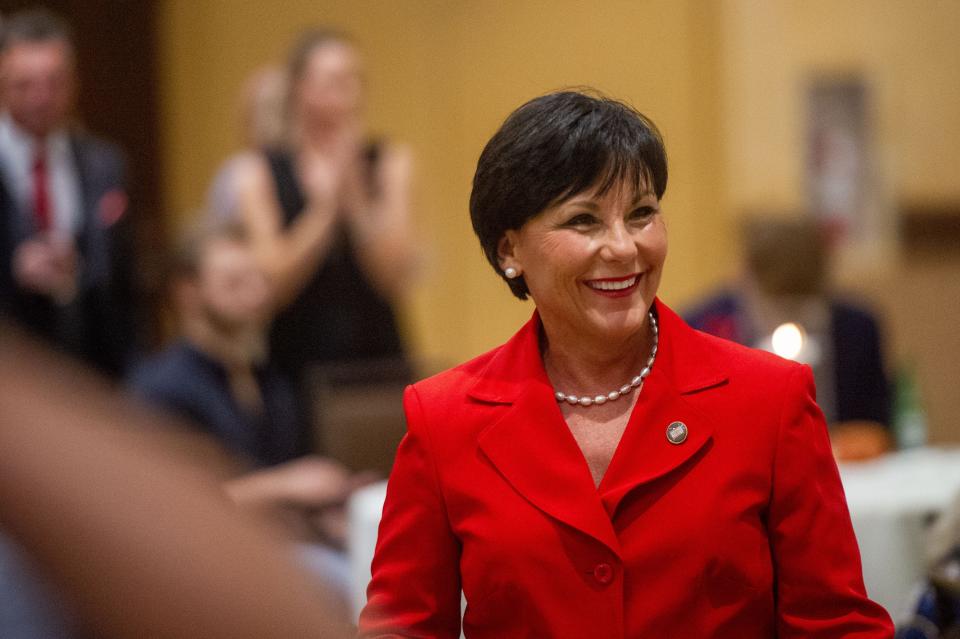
x=614 y=286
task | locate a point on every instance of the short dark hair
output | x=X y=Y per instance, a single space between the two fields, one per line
x=34 y=26
x=552 y=148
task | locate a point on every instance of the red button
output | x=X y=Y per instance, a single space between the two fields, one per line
x=603 y=573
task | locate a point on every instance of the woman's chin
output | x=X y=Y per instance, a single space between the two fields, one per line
x=618 y=325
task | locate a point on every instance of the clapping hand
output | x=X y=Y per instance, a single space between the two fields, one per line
x=327 y=170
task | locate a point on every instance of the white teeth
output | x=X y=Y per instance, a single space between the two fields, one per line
x=613 y=286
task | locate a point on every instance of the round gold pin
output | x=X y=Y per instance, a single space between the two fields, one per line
x=677 y=433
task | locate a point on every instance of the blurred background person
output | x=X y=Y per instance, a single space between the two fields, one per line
x=65 y=252
x=329 y=218
x=217 y=376
x=262 y=103
x=784 y=296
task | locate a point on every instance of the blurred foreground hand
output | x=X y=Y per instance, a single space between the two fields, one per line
x=144 y=543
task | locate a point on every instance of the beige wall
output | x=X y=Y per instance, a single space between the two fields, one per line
x=724 y=79
x=906 y=50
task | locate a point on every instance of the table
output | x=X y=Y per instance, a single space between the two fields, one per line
x=891 y=502
x=363 y=521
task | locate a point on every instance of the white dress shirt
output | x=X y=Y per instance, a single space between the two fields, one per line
x=17 y=153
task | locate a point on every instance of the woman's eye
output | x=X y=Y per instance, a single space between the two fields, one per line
x=582 y=219
x=643 y=212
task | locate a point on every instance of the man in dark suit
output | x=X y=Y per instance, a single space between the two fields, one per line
x=64 y=233
x=64 y=250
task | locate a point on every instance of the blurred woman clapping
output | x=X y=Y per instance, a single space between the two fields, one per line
x=329 y=217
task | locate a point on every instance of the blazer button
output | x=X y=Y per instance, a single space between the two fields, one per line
x=603 y=573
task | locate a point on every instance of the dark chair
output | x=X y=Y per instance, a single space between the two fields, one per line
x=358 y=411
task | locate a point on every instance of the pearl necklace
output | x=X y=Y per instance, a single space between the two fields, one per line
x=626 y=389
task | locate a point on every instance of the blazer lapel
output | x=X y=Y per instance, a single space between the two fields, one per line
x=645 y=453
x=531 y=445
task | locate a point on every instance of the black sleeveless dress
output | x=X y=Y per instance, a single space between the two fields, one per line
x=339 y=317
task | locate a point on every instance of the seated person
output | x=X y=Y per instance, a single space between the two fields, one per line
x=217 y=376
x=785 y=281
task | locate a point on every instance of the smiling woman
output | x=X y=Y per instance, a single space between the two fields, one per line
x=678 y=485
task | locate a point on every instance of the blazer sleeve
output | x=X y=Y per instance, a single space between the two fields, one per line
x=819 y=583
x=415 y=585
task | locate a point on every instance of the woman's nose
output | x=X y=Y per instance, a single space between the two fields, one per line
x=619 y=245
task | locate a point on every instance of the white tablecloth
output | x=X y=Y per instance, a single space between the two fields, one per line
x=891 y=501
x=363 y=520
x=364 y=510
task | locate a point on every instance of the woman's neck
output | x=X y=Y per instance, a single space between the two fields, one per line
x=581 y=365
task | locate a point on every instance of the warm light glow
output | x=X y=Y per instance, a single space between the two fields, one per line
x=787 y=340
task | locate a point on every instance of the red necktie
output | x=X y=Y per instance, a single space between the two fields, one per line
x=41 y=197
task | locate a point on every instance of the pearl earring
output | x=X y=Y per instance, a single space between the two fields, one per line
x=510 y=272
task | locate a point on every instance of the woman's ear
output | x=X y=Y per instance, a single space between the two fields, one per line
x=507 y=252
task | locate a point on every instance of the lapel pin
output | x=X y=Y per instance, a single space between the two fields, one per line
x=677 y=433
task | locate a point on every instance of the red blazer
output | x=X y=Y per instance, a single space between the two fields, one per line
x=739 y=532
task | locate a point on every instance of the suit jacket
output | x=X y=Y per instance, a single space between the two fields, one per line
x=741 y=531
x=99 y=325
x=861 y=389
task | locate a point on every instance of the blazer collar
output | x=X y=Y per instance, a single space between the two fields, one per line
x=685 y=355
x=533 y=449
x=681 y=355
